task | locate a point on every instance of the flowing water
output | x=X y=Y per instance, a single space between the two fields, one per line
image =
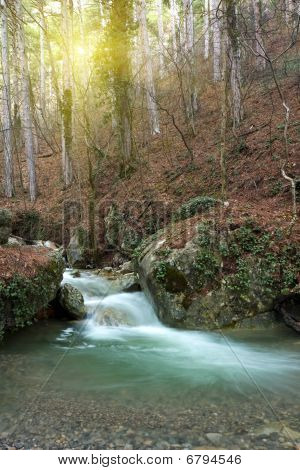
x=124 y=369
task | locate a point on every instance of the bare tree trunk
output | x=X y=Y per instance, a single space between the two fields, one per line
x=224 y=115
x=235 y=59
x=174 y=25
x=16 y=97
x=67 y=100
x=259 y=45
x=191 y=101
x=26 y=116
x=120 y=80
x=206 y=29
x=42 y=73
x=150 y=88
x=160 y=27
x=188 y=25
x=216 y=40
x=288 y=10
x=6 y=106
x=101 y=11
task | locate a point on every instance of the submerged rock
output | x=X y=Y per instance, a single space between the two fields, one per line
x=71 y=301
x=110 y=316
x=215 y=438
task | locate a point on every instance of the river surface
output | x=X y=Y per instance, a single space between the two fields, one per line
x=120 y=379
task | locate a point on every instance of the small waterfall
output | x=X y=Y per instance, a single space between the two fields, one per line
x=197 y=357
x=108 y=308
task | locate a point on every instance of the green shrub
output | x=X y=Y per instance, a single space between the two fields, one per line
x=27 y=224
x=194 y=206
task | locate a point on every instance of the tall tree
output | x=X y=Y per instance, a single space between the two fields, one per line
x=216 y=33
x=160 y=28
x=174 y=25
x=42 y=73
x=259 y=44
x=189 y=57
x=234 y=53
x=188 y=18
x=116 y=68
x=206 y=28
x=67 y=99
x=6 y=106
x=150 y=88
x=26 y=114
x=102 y=17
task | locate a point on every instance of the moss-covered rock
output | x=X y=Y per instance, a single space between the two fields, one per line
x=220 y=278
x=28 y=284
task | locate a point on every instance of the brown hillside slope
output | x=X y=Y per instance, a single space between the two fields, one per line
x=163 y=175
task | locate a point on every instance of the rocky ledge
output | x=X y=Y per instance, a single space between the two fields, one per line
x=30 y=277
x=220 y=277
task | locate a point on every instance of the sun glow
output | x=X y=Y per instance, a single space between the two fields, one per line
x=81 y=51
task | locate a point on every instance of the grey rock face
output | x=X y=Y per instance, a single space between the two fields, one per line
x=71 y=301
x=210 y=282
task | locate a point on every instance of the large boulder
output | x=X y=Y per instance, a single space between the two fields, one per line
x=217 y=278
x=71 y=301
x=29 y=280
x=5 y=225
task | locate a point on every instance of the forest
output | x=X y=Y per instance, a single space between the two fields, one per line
x=149 y=224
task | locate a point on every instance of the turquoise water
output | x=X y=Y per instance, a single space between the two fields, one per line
x=123 y=354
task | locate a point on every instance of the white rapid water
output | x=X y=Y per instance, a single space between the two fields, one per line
x=128 y=321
